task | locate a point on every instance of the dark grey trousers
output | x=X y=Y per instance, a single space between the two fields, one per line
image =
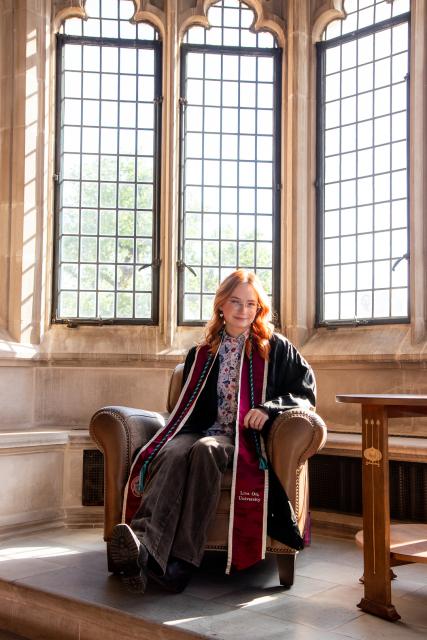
x=181 y=496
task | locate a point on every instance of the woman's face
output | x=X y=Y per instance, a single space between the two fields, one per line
x=240 y=309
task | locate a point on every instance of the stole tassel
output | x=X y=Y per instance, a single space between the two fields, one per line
x=142 y=475
x=263 y=463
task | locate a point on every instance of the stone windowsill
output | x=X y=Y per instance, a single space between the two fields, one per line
x=337 y=444
x=400 y=447
x=118 y=345
x=45 y=438
x=372 y=345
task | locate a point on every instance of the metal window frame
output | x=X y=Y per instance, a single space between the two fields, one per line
x=321 y=48
x=276 y=54
x=156 y=47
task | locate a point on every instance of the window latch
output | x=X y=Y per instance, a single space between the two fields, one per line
x=396 y=262
x=155 y=263
x=98 y=322
x=356 y=322
x=182 y=265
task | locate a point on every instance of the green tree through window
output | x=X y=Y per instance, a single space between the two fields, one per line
x=230 y=145
x=107 y=217
x=362 y=165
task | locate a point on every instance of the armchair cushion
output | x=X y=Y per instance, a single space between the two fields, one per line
x=119 y=432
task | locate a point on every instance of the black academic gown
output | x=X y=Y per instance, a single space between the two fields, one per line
x=290 y=385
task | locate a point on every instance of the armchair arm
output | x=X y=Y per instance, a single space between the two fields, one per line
x=295 y=436
x=118 y=432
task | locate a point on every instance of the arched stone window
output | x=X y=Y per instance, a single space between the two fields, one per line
x=230 y=156
x=107 y=167
x=362 y=181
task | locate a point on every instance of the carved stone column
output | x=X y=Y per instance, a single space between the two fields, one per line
x=297 y=282
x=6 y=140
x=418 y=170
x=169 y=172
x=28 y=26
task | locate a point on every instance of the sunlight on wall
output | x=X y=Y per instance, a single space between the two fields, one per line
x=29 y=230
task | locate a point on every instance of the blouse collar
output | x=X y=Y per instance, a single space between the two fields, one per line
x=240 y=340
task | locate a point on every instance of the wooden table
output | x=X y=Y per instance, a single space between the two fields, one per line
x=376 y=410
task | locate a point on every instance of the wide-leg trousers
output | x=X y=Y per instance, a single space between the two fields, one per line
x=181 y=496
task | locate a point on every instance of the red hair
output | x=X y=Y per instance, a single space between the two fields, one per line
x=262 y=327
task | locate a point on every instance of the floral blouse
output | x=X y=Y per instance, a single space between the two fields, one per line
x=229 y=355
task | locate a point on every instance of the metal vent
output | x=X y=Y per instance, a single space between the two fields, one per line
x=93 y=478
x=336 y=485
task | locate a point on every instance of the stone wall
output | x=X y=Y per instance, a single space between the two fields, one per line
x=30 y=343
x=54 y=377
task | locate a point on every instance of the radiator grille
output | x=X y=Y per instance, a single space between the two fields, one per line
x=93 y=478
x=336 y=485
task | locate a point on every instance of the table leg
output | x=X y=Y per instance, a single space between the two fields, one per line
x=376 y=514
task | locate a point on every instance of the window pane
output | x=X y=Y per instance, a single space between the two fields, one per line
x=107 y=168
x=228 y=151
x=363 y=171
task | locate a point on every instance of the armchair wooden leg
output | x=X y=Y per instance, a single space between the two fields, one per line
x=286 y=567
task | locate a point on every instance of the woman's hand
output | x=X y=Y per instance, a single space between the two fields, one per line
x=255 y=419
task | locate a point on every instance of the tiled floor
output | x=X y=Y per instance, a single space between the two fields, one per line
x=320 y=606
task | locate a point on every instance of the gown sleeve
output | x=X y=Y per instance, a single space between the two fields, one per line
x=189 y=359
x=290 y=383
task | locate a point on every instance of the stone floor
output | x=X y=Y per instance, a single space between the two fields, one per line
x=251 y=604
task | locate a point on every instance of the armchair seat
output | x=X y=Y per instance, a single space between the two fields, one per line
x=294 y=437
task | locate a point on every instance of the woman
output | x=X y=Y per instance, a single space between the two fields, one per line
x=236 y=382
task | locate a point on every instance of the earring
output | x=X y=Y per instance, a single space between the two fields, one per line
x=221 y=315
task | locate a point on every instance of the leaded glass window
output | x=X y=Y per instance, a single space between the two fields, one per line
x=230 y=156
x=108 y=115
x=362 y=184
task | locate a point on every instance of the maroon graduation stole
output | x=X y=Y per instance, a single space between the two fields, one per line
x=249 y=490
x=247 y=533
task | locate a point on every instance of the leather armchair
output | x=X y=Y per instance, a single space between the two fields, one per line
x=294 y=437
